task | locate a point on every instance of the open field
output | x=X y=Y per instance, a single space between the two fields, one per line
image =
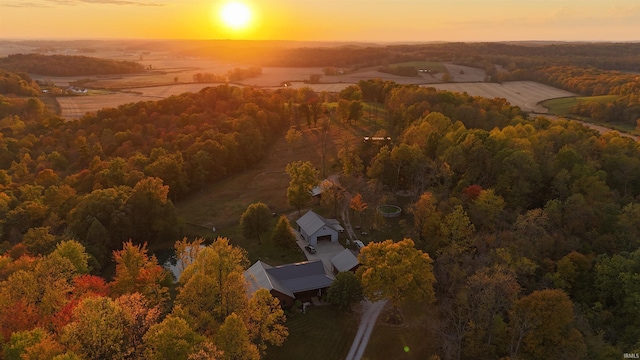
x=169 y=67
x=525 y=94
x=563 y=106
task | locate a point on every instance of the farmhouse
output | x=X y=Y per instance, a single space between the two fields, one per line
x=344 y=261
x=299 y=281
x=314 y=227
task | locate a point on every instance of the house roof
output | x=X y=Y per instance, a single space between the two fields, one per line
x=288 y=279
x=345 y=260
x=312 y=222
x=258 y=278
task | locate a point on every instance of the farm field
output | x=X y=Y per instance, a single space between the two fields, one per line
x=525 y=94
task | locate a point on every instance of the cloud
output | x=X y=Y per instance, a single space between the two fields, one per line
x=51 y=3
x=23 y=4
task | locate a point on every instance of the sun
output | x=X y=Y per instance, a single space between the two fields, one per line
x=235 y=15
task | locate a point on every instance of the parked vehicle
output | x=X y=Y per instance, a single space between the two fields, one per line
x=359 y=244
x=310 y=249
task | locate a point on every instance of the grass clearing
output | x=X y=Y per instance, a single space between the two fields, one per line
x=220 y=205
x=563 y=106
x=322 y=333
x=410 y=340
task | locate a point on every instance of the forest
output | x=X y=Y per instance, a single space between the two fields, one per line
x=531 y=223
x=65 y=65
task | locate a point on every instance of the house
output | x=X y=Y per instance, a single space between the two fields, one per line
x=298 y=281
x=314 y=228
x=344 y=261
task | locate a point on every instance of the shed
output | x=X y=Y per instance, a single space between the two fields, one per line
x=344 y=261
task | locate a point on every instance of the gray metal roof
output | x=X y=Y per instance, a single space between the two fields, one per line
x=259 y=278
x=288 y=279
x=312 y=222
x=344 y=261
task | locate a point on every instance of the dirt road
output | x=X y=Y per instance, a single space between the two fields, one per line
x=370 y=313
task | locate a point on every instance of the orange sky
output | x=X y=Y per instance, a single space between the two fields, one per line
x=344 y=20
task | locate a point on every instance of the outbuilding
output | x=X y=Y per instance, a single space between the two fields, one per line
x=344 y=261
x=314 y=228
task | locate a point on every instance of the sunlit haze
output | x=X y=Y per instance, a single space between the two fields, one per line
x=350 y=20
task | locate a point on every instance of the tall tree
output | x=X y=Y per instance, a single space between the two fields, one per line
x=98 y=330
x=426 y=218
x=542 y=327
x=282 y=234
x=172 y=339
x=303 y=178
x=332 y=195
x=396 y=271
x=255 y=221
x=136 y=271
x=345 y=291
x=213 y=286
x=264 y=320
x=233 y=340
x=358 y=205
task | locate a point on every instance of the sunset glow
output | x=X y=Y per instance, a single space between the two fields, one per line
x=350 y=20
x=235 y=15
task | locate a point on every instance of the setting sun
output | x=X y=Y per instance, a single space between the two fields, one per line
x=236 y=15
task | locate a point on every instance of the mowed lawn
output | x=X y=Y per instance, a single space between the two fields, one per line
x=413 y=339
x=322 y=333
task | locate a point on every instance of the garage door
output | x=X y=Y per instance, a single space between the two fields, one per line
x=324 y=237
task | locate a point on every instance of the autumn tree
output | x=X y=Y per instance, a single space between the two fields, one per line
x=255 y=221
x=187 y=251
x=213 y=286
x=32 y=344
x=293 y=138
x=426 y=218
x=486 y=210
x=542 y=327
x=140 y=316
x=233 y=339
x=265 y=320
x=358 y=205
x=171 y=339
x=303 y=178
x=396 y=271
x=136 y=271
x=332 y=195
x=345 y=290
x=98 y=330
x=283 y=235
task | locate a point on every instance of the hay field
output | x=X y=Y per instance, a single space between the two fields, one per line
x=525 y=94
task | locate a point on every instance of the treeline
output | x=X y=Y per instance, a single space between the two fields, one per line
x=65 y=65
x=606 y=56
x=521 y=216
x=237 y=74
x=625 y=110
x=18 y=84
x=590 y=82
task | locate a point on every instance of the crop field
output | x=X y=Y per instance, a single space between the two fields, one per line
x=525 y=94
